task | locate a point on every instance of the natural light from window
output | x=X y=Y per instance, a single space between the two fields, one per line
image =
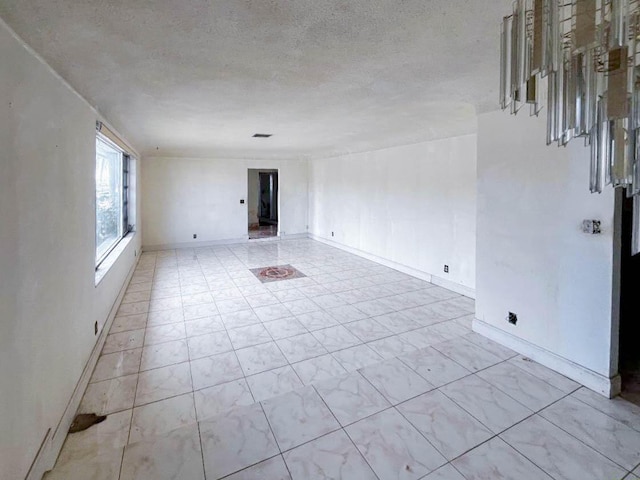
x=109 y=197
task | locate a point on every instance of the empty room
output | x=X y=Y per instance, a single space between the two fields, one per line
x=309 y=239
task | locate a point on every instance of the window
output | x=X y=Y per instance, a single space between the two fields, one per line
x=112 y=172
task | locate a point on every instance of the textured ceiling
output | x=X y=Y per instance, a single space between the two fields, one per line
x=199 y=78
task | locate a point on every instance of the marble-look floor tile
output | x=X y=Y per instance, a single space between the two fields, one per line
x=128 y=340
x=298 y=417
x=160 y=417
x=289 y=295
x=357 y=357
x=112 y=433
x=163 y=354
x=161 y=383
x=168 y=303
x=165 y=317
x=274 y=382
x=164 y=333
x=336 y=338
x=447 y=426
x=494 y=408
x=396 y=381
x=118 y=364
x=301 y=347
x=272 y=312
x=447 y=472
x=216 y=400
x=368 y=330
x=332 y=456
x=495 y=460
x=346 y=313
x=202 y=298
x=298 y=307
x=373 y=308
x=560 y=454
x=243 y=318
x=172 y=456
x=193 y=312
x=285 y=328
x=317 y=320
x=109 y=396
x=393 y=447
x=503 y=353
x=205 y=325
x=318 y=369
x=272 y=469
x=209 y=344
x=210 y=371
x=434 y=367
x=260 y=358
x=424 y=337
x=232 y=305
x=133 y=308
x=423 y=315
x=467 y=354
x=236 y=440
x=397 y=322
x=618 y=408
x=96 y=465
x=449 y=309
x=128 y=322
x=261 y=300
x=391 y=347
x=553 y=378
x=243 y=337
x=613 y=439
x=351 y=398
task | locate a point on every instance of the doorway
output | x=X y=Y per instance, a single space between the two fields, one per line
x=262 y=194
x=629 y=353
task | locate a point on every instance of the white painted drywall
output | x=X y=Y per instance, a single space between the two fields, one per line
x=48 y=300
x=186 y=196
x=413 y=205
x=532 y=257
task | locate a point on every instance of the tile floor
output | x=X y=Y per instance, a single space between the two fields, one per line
x=355 y=371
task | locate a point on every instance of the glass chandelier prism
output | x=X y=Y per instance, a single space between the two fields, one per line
x=588 y=53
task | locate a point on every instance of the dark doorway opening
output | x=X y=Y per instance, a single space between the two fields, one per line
x=629 y=354
x=263 y=203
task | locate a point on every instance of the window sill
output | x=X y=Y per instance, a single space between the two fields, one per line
x=112 y=258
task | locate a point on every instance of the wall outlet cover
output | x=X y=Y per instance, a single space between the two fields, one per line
x=446 y=269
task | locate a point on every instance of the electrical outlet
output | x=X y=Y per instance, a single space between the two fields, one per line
x=242 y=202
x=446 y=269
x=135 y=253
x=332 y=234
x=195 y=235
x=95 y=328
x=512 y=318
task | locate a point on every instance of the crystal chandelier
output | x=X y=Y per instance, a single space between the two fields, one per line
x=588 y=52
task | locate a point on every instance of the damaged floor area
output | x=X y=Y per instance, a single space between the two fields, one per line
x=350 y=370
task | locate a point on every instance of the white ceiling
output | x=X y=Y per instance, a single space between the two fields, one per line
x=199 y=78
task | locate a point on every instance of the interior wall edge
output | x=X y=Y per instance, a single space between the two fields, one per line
x=608 y=387
x=48 y=454
x=428 y=277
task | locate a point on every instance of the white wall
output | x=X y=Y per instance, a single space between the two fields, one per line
x=48 y=301
x=183 y=196
x=413 y=205
x=533 y=258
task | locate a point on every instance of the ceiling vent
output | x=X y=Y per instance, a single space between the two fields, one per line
x=263 y=135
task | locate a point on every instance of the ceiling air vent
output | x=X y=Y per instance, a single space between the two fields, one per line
x=263 y=135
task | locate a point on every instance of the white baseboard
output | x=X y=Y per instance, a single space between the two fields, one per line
x=455 y=287
x=609 y=387
x=215 y=243
x=52 y=444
